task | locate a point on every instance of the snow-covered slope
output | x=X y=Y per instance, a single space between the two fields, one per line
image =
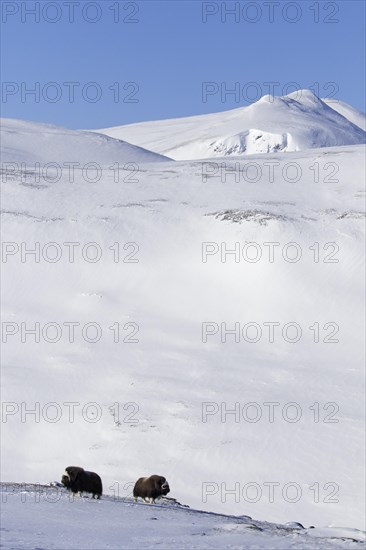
x=353 y=115
x=45 y=517
x=294 y=122
x=32 y=142
x=151 y=381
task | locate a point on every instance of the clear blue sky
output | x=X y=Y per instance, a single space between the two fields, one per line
x=169 y=52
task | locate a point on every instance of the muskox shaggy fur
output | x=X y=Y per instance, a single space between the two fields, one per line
x=78 y=480
x=151 y=488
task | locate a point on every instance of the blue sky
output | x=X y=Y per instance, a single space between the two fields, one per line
x=160 y=54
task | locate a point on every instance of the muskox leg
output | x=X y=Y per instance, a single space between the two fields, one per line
x=152 y=500
x=146 y=500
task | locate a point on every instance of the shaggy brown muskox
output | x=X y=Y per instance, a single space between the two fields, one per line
x=152 y=487
x=77 y=480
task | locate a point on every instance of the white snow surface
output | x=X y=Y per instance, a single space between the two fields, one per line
x=162 y=381
x=30 y=142
x=293 y=122
x=47 y=518
x=354 y=115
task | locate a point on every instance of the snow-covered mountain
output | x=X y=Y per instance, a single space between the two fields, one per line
x=122 y=316
x=32 y=142
x=353 y=115
x=294 y=122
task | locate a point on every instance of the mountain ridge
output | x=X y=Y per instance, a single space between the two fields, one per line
x=294 y=122
x=33 y=142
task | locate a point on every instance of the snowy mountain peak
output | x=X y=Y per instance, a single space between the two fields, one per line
x=304 y=96
x=268 y=98
x=297 y=121
x=303 y=100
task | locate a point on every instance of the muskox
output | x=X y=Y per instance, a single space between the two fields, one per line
x=78 y=480
x=151 y=488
